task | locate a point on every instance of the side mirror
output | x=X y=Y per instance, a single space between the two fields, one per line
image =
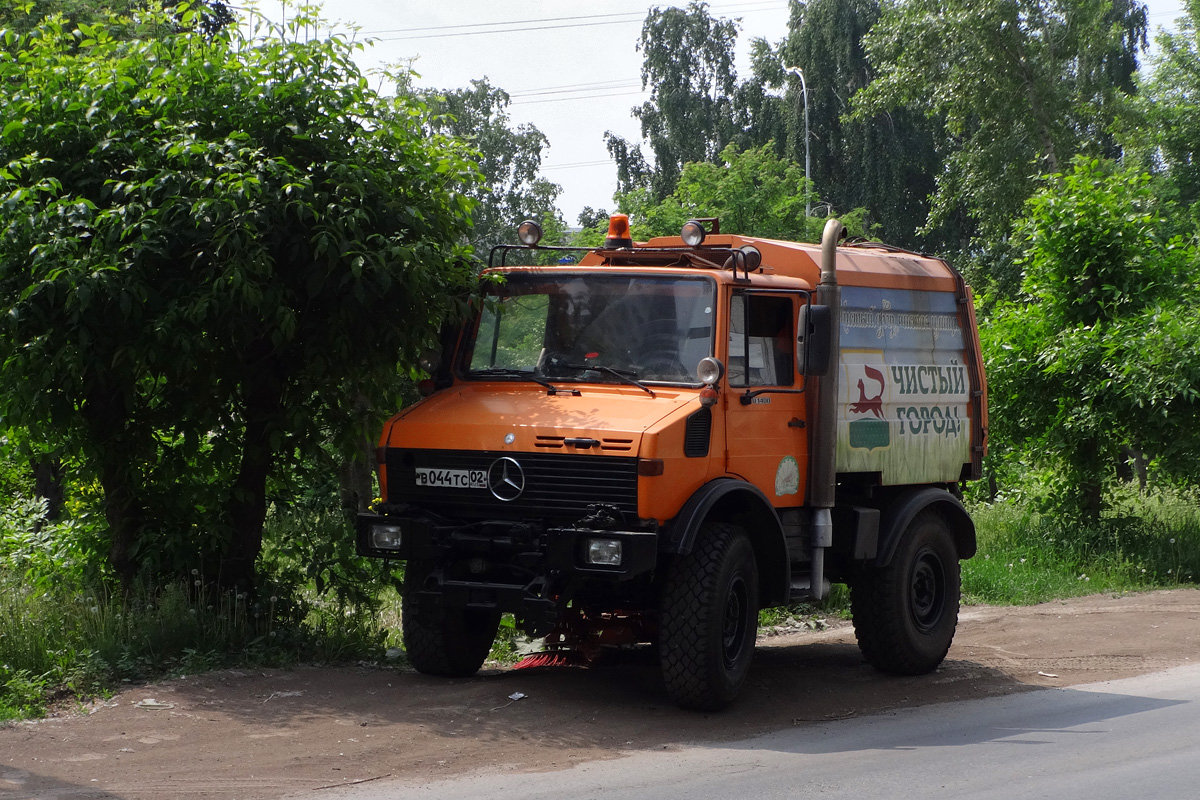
x=814 y=331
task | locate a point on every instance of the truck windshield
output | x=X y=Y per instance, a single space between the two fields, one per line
x=599 y=328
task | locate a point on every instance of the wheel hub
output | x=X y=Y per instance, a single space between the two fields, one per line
x=928 y=591
x=733 y=628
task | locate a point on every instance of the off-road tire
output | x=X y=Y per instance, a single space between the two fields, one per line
x=709 y=619
x=905 y=613
x=447 y=642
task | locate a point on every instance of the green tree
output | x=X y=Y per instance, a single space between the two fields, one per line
x=755 y=193
x=885 y=162
x=1022 y=86
x=687 y=63
x=510 y=160
x=761 y=113
x=211 y=246
x=1165 y=131
x=592 y=217
x=1100 y=351
x=207 y=16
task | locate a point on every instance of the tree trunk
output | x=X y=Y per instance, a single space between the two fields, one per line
x=48 y=484
x=1090 y=467
x=1133 y=464
x=356 y=482
x=107 y=416
x=355 y=478
x=125 y=517
x=246 y=509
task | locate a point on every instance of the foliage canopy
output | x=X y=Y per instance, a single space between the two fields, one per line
x=753 y=192
x=511 y=188
x=1021 y=85
x=211 y=248
x=1100 y=353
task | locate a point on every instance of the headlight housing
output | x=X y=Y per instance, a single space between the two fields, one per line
x=386 y=536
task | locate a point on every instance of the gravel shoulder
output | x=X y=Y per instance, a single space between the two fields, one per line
x=255 y=735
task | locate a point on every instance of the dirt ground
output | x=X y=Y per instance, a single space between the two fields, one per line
x=249 y=734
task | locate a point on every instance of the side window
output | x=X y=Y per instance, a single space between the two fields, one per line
x=511 y=331
x=762 y=341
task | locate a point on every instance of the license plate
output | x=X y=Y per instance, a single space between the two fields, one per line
x=451 y=478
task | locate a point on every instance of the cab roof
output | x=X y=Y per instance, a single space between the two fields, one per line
x=860 y=264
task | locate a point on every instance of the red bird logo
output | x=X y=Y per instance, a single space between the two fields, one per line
x=869 y=405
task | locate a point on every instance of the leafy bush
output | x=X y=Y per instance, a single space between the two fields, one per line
x=64 y=629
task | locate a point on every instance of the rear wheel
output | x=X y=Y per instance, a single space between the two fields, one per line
x=905 y=614
x=448 y=642
x=709 y=619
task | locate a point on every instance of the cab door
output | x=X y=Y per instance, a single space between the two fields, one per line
x=765 y=436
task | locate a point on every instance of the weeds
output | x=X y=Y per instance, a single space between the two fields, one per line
x=1146 y=542
x=66 y=631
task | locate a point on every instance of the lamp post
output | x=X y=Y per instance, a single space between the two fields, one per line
x=807 y=164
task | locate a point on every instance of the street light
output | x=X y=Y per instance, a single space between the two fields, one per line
x=807 y=165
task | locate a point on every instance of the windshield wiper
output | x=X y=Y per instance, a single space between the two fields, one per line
x=505 y=372
x=620 y=374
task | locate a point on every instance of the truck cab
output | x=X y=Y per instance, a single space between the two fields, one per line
x=649 y=442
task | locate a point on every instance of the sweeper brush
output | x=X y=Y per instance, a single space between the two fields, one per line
x=554 y=658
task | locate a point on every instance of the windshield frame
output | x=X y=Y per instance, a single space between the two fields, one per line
x=495 y=289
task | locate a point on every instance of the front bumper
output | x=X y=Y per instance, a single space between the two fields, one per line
x=519 y=567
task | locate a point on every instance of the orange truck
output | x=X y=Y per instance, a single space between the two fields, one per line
x=647 y=443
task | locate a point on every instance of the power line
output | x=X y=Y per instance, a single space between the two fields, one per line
x=521 y=26
x=506 y=30
x=578 y=164
x=770 y=5
x=488 y=24
x=574 y=87
x=581 y=97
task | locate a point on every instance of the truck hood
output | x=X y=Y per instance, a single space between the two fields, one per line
x=470 y=416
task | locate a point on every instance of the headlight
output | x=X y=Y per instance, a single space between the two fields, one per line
x=603 y=552
x=709 y=370
x=385 y=536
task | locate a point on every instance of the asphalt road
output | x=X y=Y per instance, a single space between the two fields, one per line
x=1133 y=739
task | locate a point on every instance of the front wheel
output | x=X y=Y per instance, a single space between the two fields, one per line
x=447 y=642
x=709 y=619
x=905 y=614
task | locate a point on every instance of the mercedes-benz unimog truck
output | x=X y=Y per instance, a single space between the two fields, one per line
x=649 y=442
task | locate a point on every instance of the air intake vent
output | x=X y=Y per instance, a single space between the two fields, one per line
x=697 y=434
x=549 y=441
x=617 y=444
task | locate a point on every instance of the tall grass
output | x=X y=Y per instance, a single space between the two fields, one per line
x=66 y=633
x=1143 y=542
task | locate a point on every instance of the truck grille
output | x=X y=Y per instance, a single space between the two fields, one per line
x=556 y=485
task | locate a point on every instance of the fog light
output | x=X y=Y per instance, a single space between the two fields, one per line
x=385 y=537
x=604 y=552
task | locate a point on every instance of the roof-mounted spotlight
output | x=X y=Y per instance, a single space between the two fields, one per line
x=529 y=233
x=618 y=232
x=693 y=233
x=752 y=257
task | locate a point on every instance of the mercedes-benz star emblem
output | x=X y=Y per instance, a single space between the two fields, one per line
x=506 y=479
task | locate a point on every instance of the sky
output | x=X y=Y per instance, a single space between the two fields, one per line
x=572 y=69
